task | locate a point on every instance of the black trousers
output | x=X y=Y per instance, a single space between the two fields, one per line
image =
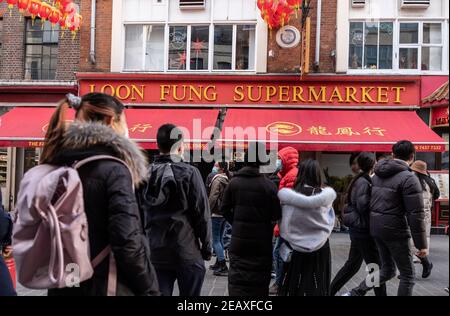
x=361 y=249
x=6 y=284
x=190 y=279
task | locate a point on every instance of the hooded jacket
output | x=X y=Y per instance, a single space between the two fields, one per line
x=288 y=175
x=111 y=208
x=177 y=214
x=218 y=186
x=307 y=221
x=396 y=206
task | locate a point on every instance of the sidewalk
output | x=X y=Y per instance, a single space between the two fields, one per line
x=434 y=286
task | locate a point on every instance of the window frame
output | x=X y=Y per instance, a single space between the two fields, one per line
x=396 y=47
x=189 y=25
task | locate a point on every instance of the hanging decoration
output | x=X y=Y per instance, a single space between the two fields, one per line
x=58 y=12
x=277 y=13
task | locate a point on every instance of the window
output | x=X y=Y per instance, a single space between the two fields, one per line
x=41 y=50
x=371 y=45
x=189 y=47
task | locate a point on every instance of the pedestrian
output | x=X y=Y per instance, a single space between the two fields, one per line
x=287 y=162
x=6 y=283
x=178 y=218
x=356 y=217
x=251 y=206
x=306 y=225
x=396 y=215
x=110 y=204
x=210 y=176
x=430 y=194
x=218 y=186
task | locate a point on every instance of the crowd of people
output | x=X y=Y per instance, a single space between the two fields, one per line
x=158 y=224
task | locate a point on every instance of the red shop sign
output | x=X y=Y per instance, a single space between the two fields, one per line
x=439 y=117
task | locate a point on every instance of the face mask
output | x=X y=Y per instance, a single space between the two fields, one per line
x=215 y=170
x=279 y=165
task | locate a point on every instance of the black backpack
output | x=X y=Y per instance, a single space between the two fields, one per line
x=6 y=227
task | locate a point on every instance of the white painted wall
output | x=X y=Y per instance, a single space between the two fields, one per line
x=151 y=11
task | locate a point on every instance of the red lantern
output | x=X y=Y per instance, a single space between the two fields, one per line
x=23 y=5
x=55 y=16
x=35 y=7
x=45 y=11
x=11 y=4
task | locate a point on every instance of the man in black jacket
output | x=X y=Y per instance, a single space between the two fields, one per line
x=397 y=214
x=178 y=219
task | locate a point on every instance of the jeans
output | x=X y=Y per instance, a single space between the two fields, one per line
x=6 y=284
x=190 y=279
x=279 y=264
x=227 y=235
x=218 y=227
x=397 y=253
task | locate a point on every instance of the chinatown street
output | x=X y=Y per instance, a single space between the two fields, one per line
x=434 y=286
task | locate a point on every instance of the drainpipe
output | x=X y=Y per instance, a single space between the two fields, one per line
x=92 y=49
x=319 y=21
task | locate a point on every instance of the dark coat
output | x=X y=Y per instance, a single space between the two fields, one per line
x=111 y=208
x=177 y=214
x=357 y=212
x=396 y=206
x=218 y=186
x=251 y=206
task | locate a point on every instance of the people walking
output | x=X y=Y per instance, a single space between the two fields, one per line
x=6 y=283
x=110 y=205
x=430 y=194
x=306 y=225
x=397 y=214
x=218 y=186
x=177 y=217
x=251 y=206
x=356 y=217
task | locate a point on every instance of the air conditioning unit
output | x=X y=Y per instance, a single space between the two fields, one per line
x=406 y=4
x=358 y=3
x=192 y=4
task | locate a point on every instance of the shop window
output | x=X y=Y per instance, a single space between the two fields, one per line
x=41 y=50
x=189 y=48
x=371 y=45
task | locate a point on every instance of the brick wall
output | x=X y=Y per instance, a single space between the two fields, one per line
x=12 y=61
x=103 y=36
x=288 y=60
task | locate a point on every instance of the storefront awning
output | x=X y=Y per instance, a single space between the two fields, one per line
x=334 y=130
x=26 y=127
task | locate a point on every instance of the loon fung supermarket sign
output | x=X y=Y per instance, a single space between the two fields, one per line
x=269 y=91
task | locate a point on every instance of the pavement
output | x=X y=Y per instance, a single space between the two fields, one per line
x=340 y=244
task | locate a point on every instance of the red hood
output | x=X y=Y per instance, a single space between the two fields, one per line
x=289 y=156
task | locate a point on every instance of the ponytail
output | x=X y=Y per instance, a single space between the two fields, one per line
x=55 y=132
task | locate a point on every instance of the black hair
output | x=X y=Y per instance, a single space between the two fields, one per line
x=256 y=155
x=225 y=167
x=168 y=135
x=353 y=157
x=404 y=150
x=366 y=162
x=382 y=155
x=309 y=173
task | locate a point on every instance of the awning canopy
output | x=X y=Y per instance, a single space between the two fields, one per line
x=26 y=127
x=324 y=130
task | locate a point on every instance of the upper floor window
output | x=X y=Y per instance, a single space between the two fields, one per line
x=189 y=47
x=41 y=50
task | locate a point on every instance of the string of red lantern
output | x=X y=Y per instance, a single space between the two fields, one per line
x=58 y=12
x=277 y=13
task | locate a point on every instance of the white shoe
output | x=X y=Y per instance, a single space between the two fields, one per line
x=347 y=294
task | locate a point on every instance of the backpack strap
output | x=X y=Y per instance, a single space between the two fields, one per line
x=112 y=275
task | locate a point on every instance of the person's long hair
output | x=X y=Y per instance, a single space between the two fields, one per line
x=366 y=161
x=225 y=168
x=309 y=174
x=93 y=107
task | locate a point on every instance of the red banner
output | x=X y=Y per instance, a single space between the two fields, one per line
x=439 y=117
x=258 y=91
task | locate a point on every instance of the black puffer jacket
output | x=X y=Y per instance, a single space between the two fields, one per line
x=111 y=209
x=251 y=205
x=397 y=204
x=357 y=213
x=177 y=214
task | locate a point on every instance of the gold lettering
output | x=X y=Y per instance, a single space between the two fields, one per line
x=284 y=94
x=120 y=88
x=238 y=94
x=336 y=95
x=250 y=94
x=398 y=91
x=271 y=91
x=103 y=89
x=92 y=88
x=313 y=94
x=366 y=94
x=297 y=94
x=351 y=95
x=197 y=92
x=383 y=95
x=211 y=96
x=175 y=95
x=135 y=90
x=164 y=92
